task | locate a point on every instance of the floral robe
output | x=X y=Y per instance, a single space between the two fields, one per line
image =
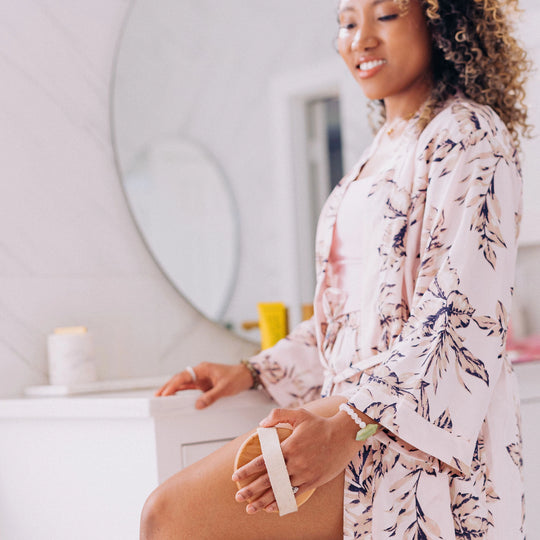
x=425 y=356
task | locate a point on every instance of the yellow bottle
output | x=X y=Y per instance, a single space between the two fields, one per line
x=273 y=322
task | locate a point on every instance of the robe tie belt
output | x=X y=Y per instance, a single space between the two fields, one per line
x=333 y=304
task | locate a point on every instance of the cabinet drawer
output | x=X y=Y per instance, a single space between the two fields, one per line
x=192 y=452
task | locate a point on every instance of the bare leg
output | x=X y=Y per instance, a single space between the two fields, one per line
x=198 y=503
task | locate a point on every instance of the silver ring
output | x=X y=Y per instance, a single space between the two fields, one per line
x=295 y=489
x=191 y=371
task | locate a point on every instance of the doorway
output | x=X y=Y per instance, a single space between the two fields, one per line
x=322 y=170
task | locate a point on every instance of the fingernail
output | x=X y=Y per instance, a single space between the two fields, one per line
x=234 y=477
x=271 y=508
x=239 y=497
x=250 y=509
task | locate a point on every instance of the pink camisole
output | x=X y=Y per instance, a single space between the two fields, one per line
x=351 y=243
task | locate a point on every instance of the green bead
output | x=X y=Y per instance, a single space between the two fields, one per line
x=366 y=432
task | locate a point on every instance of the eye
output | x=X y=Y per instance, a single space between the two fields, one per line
x=346 y=23
x=388 y=17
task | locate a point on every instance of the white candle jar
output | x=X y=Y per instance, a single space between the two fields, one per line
x=71 y=358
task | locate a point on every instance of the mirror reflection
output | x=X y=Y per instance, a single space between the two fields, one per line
x=186 y=213
x=207 y=73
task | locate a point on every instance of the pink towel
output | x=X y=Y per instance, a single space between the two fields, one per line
x=523 y=350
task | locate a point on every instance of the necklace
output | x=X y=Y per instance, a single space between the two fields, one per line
x=391 y=128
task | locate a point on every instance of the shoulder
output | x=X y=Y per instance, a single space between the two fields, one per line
x=462 y=125
x=463 y=118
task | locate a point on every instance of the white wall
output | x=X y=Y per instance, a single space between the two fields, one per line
x=530 y=226
x=69 y=253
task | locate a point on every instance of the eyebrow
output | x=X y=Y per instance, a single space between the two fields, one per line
x=374 y=3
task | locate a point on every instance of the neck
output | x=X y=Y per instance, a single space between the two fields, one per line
x=400 y=109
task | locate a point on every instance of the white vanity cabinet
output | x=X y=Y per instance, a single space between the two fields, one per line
x=529 y=385
x=82 y=467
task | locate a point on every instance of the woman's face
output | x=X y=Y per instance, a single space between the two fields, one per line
x=388 y=51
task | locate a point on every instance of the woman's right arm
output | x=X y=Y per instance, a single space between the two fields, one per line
x=214 y=380
x=290 y=372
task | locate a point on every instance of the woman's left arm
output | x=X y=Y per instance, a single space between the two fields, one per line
x=439 y=377
x=322 y=443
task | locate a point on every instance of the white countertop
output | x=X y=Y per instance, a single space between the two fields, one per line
x=134 y=404
x=143 y=404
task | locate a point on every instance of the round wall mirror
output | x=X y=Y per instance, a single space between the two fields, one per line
x=193 y=120
x=184 y=208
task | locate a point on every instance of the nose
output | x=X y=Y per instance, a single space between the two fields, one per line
x=364 y=38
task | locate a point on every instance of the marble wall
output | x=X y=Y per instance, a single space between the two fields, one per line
x=69 y=253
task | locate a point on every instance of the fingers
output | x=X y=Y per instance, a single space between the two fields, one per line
x=180 y=381
x=255 y=466
x=211 y=396
x=284 y=416
x=259 y=495
x=254 y=490
x=265 y=502
x=215 y=380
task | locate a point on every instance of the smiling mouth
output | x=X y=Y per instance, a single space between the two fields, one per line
x=366 y=66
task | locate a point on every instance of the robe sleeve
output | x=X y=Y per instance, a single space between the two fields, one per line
x=433 y=386
x=291 y=371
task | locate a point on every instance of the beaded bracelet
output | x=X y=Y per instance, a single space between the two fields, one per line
x=253 y=372
x=366 y=430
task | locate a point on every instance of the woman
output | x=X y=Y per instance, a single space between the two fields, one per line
x=415 y=255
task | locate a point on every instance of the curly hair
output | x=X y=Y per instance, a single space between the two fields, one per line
x=475 y=53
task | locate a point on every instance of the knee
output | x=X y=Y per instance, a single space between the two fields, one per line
x=158 y=518
x=152 y=516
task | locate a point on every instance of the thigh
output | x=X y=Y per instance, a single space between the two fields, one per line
x=198 y=503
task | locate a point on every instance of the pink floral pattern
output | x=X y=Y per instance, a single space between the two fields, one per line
x=425 y=357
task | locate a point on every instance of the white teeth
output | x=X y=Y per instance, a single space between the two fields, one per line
x=365 y=66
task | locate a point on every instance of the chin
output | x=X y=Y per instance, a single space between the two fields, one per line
x=373 y=94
